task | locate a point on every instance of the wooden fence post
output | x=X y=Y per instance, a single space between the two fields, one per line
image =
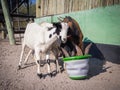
x=38 y=8
x=7 y=21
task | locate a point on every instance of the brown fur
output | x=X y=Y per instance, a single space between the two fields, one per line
x=74 y=26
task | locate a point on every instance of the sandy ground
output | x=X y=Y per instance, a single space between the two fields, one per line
x=103 y=75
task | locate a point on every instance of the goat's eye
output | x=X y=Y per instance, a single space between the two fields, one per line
x=50 y=35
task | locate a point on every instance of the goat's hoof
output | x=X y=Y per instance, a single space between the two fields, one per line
x=50 y=74
x=62 y=69
x=19 y=67
x=40 y=75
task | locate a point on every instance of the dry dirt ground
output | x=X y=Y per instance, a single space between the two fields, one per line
x=103 y=75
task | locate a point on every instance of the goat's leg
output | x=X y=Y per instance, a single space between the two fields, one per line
x=21 y=56
x=55 y=52
x=48 y=64
x=26 y=59
x=57 y=65
x=66 y=55
x=37 y=59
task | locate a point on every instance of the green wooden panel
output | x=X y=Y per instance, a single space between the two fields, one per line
x=100 y=25
x=43 y=19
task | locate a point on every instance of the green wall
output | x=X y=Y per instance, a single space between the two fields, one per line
x=100 y=25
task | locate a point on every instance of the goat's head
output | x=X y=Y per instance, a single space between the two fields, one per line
x=61 y=30
x=70 y=23
x=74 y=29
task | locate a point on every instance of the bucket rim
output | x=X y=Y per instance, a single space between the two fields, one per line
x=77 y=57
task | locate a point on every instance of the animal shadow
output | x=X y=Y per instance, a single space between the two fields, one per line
x=28 y=65
x=97 y=60
x=96 y=67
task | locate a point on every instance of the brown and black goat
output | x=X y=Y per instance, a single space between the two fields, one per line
x=74 y=44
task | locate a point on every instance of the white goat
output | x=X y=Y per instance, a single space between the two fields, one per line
x=40 y=39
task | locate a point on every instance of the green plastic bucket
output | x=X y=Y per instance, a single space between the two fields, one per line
x=77 y=66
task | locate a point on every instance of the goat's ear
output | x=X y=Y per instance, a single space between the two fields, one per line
x=55 y=24
x=58 y=25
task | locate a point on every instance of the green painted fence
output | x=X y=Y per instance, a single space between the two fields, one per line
x=100 y=25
